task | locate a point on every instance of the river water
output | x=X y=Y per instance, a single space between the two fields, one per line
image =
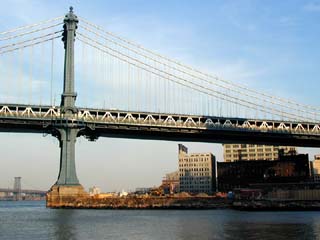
x=31 y=220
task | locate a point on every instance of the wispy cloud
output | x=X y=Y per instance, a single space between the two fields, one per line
x=237 y=71
x=286 y=21
x=312 y=7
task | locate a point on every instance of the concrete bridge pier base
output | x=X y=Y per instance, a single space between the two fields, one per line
x=63 y=196
x=67 y=190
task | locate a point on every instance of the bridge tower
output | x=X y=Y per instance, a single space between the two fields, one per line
x=65 y=128
x=68 y=132
x=17 y=188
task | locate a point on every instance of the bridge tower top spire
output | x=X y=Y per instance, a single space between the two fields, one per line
x=68 y=97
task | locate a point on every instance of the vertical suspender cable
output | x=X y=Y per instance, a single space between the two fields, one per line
x=134 y=88
x=208 y=100
x=20 y=75
x=147 y=89
x=31 y=73
x=101 y=75
x=166 y=95
x=128 y=84
x=169 y=93
x=98 y=76
x=148 y=76
x=89 y=73
x=198 y=103
x=104 y=69
x=118 y=103
x=140 y=89
x=107 y=80
x=159 y=102
x=15 y=75
x=52 y=69
x=43 y=73
x=83 y=60
x=179 y=100
x=111 y=69
x=9 y=77
x=152 y=92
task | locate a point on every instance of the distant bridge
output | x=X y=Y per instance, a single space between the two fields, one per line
x=26 y=191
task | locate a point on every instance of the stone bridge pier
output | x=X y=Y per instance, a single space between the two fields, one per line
x=67 y=186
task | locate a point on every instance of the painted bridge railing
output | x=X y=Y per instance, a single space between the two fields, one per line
x=100 y=116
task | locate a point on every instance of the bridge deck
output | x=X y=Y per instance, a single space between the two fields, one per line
x=159 y=126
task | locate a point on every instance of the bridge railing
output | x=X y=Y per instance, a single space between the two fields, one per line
x=117 y=117
x=199 y=122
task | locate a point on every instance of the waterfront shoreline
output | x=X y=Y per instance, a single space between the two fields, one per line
x=276 y=205
x=183 y=203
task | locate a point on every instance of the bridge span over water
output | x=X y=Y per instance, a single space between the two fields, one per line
x=95 y=123
x=160 y=98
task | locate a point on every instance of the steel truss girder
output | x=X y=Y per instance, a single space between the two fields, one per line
x=49 y=115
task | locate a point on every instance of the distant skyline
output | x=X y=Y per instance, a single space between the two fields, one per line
x=270 y=46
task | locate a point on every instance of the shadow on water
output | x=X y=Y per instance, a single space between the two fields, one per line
x=272 y=225
x=64 y=224
x=246 y=226
x=247 y=231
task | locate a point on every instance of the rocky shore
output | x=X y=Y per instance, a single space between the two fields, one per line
x=167 y=202
x=135 y=202
x=76 y=197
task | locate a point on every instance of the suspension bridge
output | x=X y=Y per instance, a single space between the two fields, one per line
x=128 y=91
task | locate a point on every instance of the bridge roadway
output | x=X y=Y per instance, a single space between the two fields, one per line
x=94 y=123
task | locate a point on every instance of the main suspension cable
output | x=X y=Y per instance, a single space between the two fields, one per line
x=30 y=40
x=30 y=32
x=224 y=96
x=28 y=45
x=30 y=26
x=200 y=78
x=197 y=71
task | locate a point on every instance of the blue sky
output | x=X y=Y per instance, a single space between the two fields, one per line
x=271 y=46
